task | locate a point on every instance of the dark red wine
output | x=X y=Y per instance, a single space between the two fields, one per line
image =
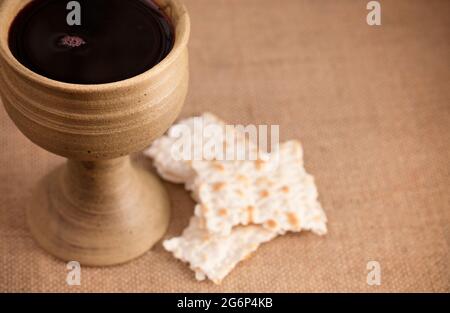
x=117 y=39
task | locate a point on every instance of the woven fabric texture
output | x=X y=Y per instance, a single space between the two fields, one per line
x=371 y=106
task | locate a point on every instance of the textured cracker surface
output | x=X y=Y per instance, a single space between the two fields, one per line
x=214 y=257
x=278 y=193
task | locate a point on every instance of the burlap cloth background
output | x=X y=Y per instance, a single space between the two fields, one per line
x=372 y=108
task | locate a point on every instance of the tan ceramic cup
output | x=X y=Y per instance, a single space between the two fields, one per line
x=99 y=208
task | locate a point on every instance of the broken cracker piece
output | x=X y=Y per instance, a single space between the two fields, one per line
x=278 y=190
x=172 y=165
x=169 y=162
x=214 y=257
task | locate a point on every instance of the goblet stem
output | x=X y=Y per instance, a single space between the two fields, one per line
x=101 y=185
x=99 y=213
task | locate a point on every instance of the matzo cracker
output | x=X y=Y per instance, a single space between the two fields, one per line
x=278 y=194
x=214 y=257
x=241 y=204
x=169 y=162
x=199 y=139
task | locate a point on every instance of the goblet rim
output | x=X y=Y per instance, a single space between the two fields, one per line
x=182 y=28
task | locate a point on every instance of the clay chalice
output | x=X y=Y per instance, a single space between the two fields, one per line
x=98 y=208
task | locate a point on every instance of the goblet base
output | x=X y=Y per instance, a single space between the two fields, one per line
x=99 y=213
